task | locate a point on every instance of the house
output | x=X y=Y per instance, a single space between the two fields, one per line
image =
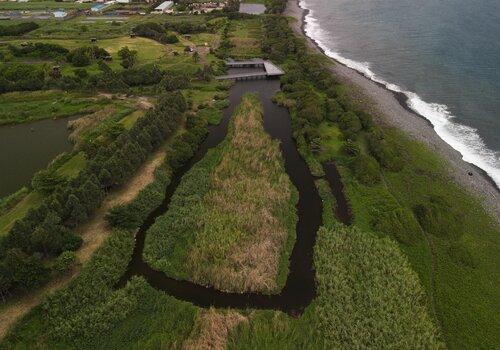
x=164 y=7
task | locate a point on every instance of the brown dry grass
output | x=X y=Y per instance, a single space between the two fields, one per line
x=240 y=243
x=212 y=329
x=80 y=125
x=93 y=233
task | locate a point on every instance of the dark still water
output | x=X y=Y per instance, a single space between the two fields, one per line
x=443 y=54
x=27 y=148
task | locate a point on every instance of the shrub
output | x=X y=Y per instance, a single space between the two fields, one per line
x=400 y=224
x=64 y=263
x=18 y=29
x=350 y=124
x=333 y=110
x=366 y=169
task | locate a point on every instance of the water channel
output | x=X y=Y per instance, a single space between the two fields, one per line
x=299 y=289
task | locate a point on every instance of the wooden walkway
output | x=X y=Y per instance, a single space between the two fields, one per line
x=270 y=70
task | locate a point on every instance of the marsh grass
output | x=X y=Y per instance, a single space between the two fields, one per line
x=232 y=215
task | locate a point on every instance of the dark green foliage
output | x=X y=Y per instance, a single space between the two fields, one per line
x=278 y=40
x=350 y=148
x=366 y=169
x=365 y=119
x=128 y=57
x=45 y=181
x=172 y=82
x=185 y=27
x=399 y=223
x=24 y=272
x=39 y=50
x=389 y=155
x=83 y=56
x=45 y=229
x=64 y=263
x=156 y=32
x=225 y=45
x=275 y=6
x=437 y=216
x=350 y=124
x=18 y=29
x=333 y=110
x=21 y=77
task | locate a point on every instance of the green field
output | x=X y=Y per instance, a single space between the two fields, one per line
x=245 y=36
x=20 y=107
x=34 y=5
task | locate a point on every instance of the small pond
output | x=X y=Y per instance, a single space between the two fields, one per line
x=253 y=9
x=27 y=148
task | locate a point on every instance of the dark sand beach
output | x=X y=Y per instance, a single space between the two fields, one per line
x=391 y=109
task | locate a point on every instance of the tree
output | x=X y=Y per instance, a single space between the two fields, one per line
x=25 y=271
x=5 y=285
x=64 y=262
x=77 y=212
x=45 y=181
x=128 y=57
x=350 y=124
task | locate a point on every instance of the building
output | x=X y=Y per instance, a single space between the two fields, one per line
x=164 y=7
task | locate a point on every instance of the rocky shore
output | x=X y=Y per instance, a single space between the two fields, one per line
x=391 y=109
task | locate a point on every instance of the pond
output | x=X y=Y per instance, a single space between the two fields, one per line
x=28 y=148
x=252 y=9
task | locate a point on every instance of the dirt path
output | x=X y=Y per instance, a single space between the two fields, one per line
x=93 y=233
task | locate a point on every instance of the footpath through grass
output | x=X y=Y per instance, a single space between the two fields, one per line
x=232 y=215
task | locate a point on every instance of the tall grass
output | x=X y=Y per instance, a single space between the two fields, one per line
x=368 y=298
x=232 y=214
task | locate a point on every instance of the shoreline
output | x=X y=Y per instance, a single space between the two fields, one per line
x=390 y=108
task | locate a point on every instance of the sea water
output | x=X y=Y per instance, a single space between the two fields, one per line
x=443 y=54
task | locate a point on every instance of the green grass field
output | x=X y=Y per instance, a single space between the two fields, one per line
x=245 y=36
x=73 y=166
x=34 y=5
x=20 y=107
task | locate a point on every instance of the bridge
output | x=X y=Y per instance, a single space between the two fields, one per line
x=270 y=70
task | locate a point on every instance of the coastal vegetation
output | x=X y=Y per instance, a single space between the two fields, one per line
x=396 y=188
x=232 y=215
x=413 y=271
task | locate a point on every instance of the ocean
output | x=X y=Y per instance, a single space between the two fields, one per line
x=444 y=55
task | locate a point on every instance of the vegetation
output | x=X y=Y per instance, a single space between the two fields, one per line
x=45 y=230
x=18 y=107
x=435 y=222
x=39 y=50
x=242 y=206
x=18 y=29
x=368 y=297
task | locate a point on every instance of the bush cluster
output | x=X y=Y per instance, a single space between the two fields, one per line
x=18 y=29
x=39 y=50
x=84 y=56
x=156 y=32
x=275 y=6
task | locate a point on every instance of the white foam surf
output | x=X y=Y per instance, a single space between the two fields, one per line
x=462 y=138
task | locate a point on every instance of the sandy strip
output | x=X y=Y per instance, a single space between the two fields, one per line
x=390 y=109
x=93 y=233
